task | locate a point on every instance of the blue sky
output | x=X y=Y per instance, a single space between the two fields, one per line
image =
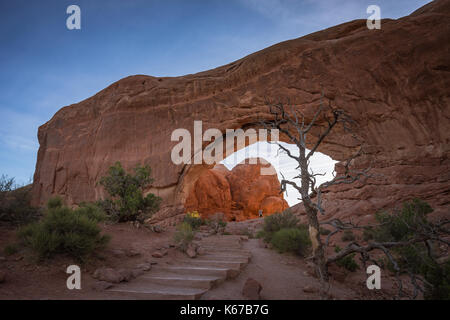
x=44 y=66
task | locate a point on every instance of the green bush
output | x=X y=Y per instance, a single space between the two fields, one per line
x=348 y=236
x=402 y=225
x=127 y=202
x=295 y=240
x=276 y=222
x=15 y=205
x=10 y=249
x=368 y=234
x=92 y=211
x=55 y=202
x=64 y=231
x=348 y=262
x=439 y=278
x=193 y=219
x=184 y=235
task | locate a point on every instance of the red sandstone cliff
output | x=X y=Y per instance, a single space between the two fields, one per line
x=239 y=193
x=394 y=82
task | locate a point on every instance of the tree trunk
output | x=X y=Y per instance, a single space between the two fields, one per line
x=317 y=246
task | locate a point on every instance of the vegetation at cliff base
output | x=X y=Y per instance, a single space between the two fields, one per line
x=62 y=230
x=127 y=202
x=184 y=235
x=15 y=207
x=421 y=258
x=285 y=233
x=193 y=219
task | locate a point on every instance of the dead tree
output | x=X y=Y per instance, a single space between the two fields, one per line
x=291 y=123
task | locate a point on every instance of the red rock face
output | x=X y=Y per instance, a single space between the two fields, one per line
x=393 y=82
x=239 y=193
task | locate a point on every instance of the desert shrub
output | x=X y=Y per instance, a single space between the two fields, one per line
x=217 y=222
x=15 y=205
x=348 y=262
x=193 y=219
x=402 y=225
x=294 y=240
x=92 y=211
x=348 y=236
x=10 y=249
x=127 y=202
x=55 y=202
x=63 y=231
x=324 y=231
x=439 y=278
x=184 y=235
x=368 y=234
x=6 y=185
x=276 y=222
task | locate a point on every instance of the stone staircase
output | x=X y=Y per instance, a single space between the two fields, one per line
x=188 y=279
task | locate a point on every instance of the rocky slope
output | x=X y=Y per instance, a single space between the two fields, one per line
x=239 y=193
x=393 y=82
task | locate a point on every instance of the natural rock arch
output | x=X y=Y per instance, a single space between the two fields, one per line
x=393 y=82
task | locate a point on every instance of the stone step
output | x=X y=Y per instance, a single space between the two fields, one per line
x=189 y=279
x=183 y=280
x=226 y=251
x=152 y=291
x=220 y=247
x=193 y=270
x=223 y=257
x=237 y=265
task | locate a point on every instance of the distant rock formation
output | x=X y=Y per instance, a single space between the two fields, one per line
x=393 y=82
x=239 y=193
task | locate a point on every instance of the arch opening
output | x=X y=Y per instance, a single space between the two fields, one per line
x=246 y=184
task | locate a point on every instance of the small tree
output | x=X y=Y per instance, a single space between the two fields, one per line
x=127 y=202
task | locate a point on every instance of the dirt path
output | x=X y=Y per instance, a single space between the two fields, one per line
x=282 y=276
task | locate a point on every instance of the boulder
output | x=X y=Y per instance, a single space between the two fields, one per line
x=309 y=289
x=191 y=250
x=108 y=275
x=252 y=289
x=127 y=274
x=159 y=253
x=146 y=266
x=137 y=272
x=239 y=193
